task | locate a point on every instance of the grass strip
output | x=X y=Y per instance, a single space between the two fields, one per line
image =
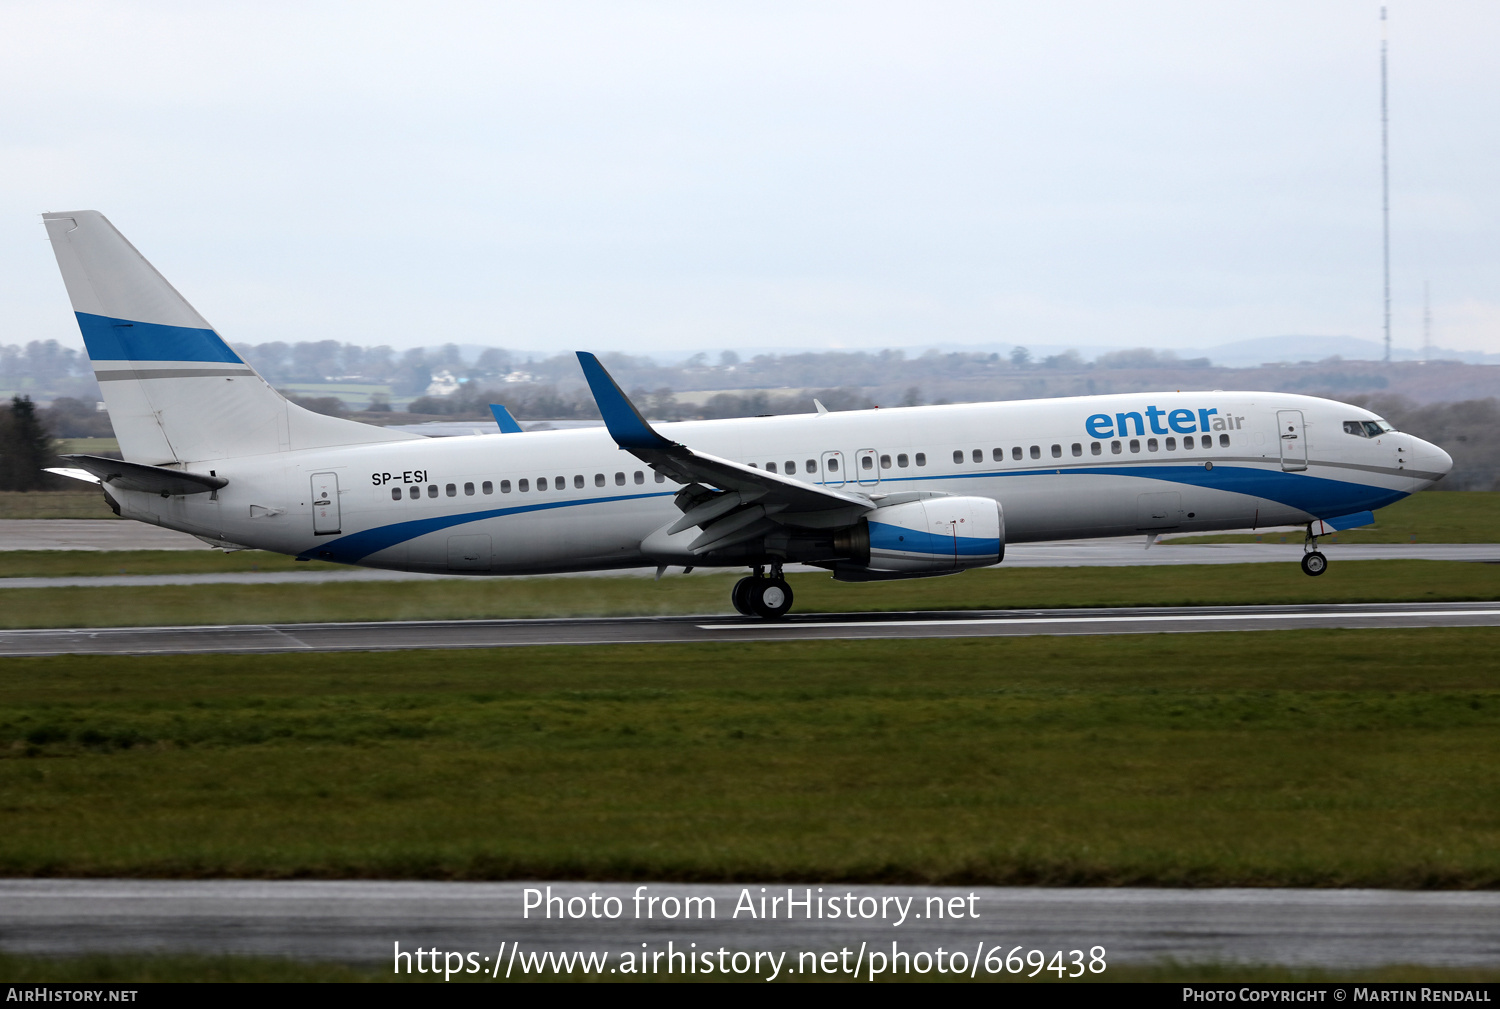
x=993 y=588
x=94 y=563
x=146 y=968
x=1447 y=517
x=47 y=504
x=1316 y=758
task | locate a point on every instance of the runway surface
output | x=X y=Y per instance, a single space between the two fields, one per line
x=89 y=534
x=359 y=921
x=438 y=634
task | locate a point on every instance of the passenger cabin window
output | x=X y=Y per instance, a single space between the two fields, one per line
x=487 y=488
x=1171 y=444
x=432 y=490
x=660 y=478
x=561 y=483
x=770 y=467
x=598 y=479
x=885 y=462
x=468 y=490
x=791 y=467
x=619 y=479
x=578 y=481
x=1036 y=451
x=1057 y=451
x=1223 y=441
x=1150 y=444
x=451 y=490
x=833 y=465
x=1114 y=448
x=1187 y=442
x=958 y=455
x=921 y=458
x=1095 y=448
x=1135 y=444
x=979 y=455
x=541 y=483
x=504 y=486
x=1077 y=449
x=395 y=493
x=523 y=486
x=998 y=455
x=902 y=460
x=1016 y=453
x=640 y=477
x=812 y=465
x=865 y=462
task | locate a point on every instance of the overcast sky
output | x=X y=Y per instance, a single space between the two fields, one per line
x=654 y=177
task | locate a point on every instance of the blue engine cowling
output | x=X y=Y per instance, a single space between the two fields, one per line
x=928 y=537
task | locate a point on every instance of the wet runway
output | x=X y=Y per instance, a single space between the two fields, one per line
x=437 y=634
x=359 y=921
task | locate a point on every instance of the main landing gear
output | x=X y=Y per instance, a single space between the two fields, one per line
x=1313 y=561
x=759 y=596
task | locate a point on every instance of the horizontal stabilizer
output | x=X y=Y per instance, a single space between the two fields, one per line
x=73 y=473
x=150 y=479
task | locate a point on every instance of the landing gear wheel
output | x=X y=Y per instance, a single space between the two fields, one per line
x=740 y=597
x=770 y=597
x=1314 y=563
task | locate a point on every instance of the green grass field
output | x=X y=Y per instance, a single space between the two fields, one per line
x=54 y=504
x=1186 y=585
x=1319 y=758
x=1447 y=517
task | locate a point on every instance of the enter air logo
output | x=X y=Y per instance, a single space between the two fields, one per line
x=1159 y=421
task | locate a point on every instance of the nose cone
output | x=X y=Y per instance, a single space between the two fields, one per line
x=1432 y=460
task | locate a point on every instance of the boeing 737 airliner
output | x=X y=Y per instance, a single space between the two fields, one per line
x=211 y=449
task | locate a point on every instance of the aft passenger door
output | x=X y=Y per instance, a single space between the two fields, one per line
x=325 y=503
x=1293 y=440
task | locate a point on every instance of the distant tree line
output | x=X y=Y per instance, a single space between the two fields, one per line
x=25 y=447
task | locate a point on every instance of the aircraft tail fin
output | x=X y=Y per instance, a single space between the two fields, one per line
x=175 y=391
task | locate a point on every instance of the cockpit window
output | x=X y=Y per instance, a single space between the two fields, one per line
x=1367 y=428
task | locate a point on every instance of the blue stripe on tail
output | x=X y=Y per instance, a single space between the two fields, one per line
x=122 y=340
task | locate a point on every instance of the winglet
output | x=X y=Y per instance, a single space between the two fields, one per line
x=626 y=425
x=507 y=423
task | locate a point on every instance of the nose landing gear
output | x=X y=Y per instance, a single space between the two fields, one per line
x=1313 y=561
x=759 y=596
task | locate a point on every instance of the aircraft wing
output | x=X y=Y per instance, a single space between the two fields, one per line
x=746 y=497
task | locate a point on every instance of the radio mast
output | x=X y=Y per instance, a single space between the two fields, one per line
x=1426 y=323
x=1385 y=189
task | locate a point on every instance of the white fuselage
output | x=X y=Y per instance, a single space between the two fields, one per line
x=572 y=500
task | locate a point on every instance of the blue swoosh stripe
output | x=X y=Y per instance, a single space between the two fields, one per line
x=110 y=339
x=1318 y=496
x=356 y=546
x=884 y=536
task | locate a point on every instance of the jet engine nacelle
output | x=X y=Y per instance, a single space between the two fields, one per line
x=932 y=536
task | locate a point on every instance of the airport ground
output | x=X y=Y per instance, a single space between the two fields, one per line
x=1329 y=758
